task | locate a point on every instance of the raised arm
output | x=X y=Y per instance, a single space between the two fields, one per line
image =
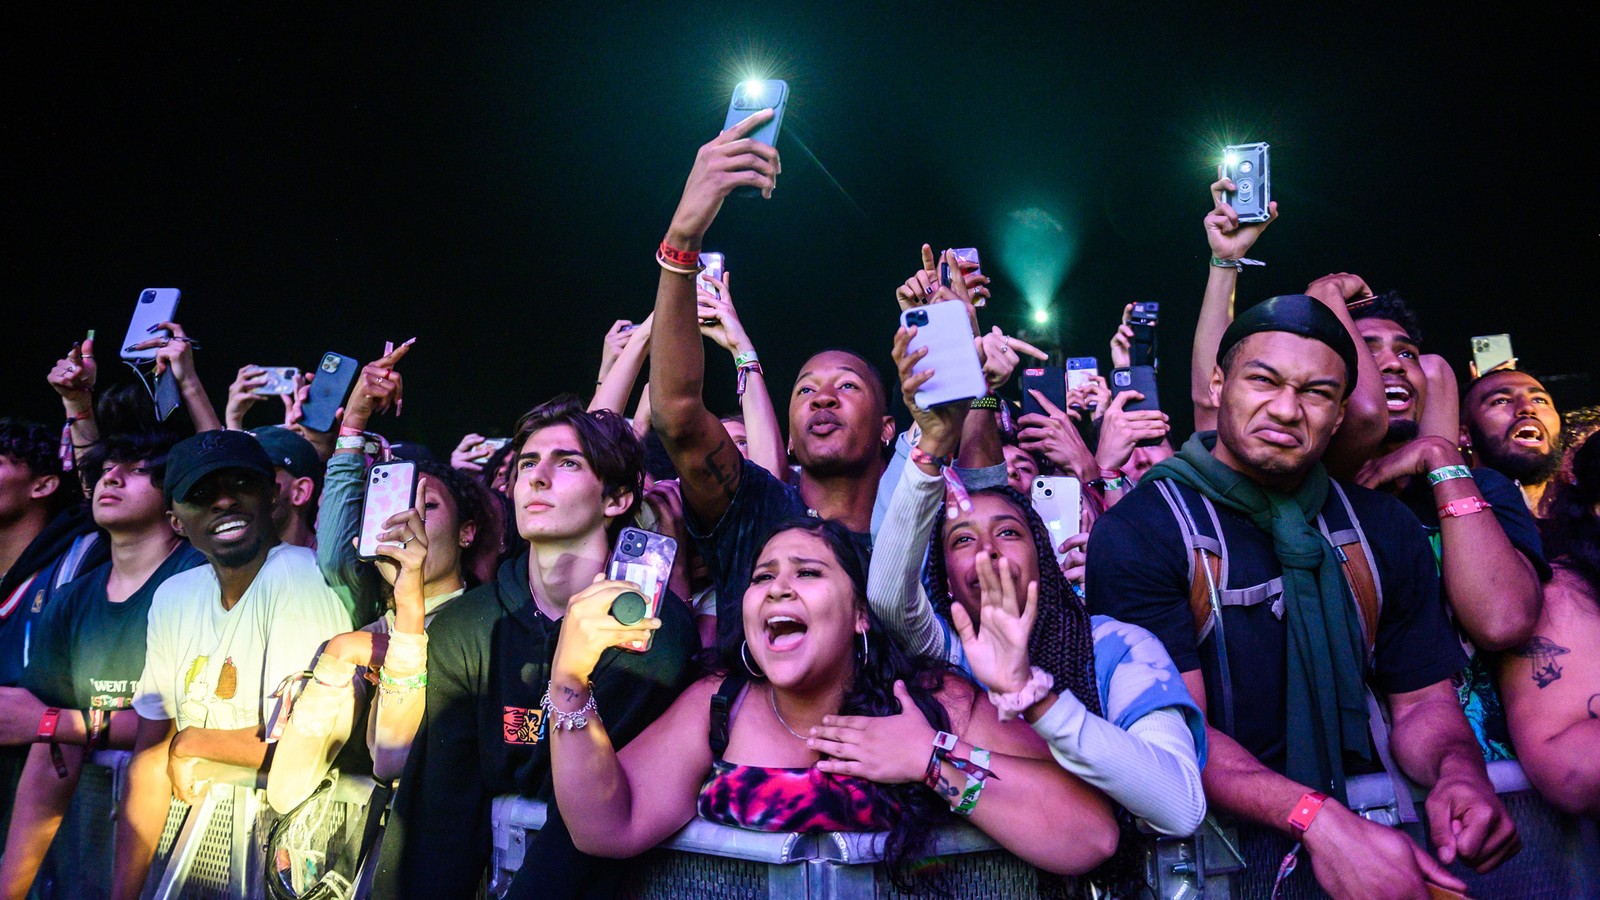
x=705 y=456
x=617 y=382
x=719 y=321
x=636 y=800
x=175 y=359
x=1230 y=242
x=73 y=378
x=1366 y=417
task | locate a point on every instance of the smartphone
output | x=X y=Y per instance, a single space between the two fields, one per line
x=1080 y=369
x=1246 y=166
x=156 y=305
x=644 y=558
x=391 y=489
x=749 y=98
x=166 y=395
x=493 y=446
x=1492 y=351
x=713 y=263
x=280 y=380
x=334 y=376
x=946 y=331
x=1051 y=381
x=967 y=257
x=1143 y=380
x=1142 y=321
x=1058 y=499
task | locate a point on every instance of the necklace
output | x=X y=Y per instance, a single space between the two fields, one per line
x=773 y=695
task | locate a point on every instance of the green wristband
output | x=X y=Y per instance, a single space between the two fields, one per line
x=1446 y=473
x=410 y=683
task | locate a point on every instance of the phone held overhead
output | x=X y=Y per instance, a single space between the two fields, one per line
x=749 y=98
x=1246 y=166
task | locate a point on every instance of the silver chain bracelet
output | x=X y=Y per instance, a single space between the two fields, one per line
x=569 y=721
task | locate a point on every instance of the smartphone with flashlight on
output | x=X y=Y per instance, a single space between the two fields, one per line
x=1246 y=166
x=749 y=98
x=644 y=558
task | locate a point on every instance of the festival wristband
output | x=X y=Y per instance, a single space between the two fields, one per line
x=987 y=402
x=1463 y=506
x=688 y=259
x=944 y=743
x=1235 y=264
x=1447 y=473
x=1305 y=811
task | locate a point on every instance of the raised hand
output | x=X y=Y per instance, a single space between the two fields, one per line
x=731 y=160
x=587 y=630
x=379 y=389
x=611 y=345
x=73 y=377
x=471 y=453
x=719 y=320
x=242 y=396
x=1339 y=288
x=998 y=650
x=1121 y=430
x=941 y=427
x=1055 y=438
x=1001 y=355
x=1122 y=341
x=403 y=543
x=175 y=352
x=1228 y=238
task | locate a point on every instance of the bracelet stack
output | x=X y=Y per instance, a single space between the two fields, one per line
x=1235 y=264
x=746 y=363
x=975 y=767
x=560 y=720
x=678 y=262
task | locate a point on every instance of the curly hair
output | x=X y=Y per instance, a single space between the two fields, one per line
x=1062 y=642
x=1390 y=305
x=35 y=446
x=475 y=504
x=871 y=693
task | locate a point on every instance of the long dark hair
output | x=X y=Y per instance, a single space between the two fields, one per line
x=871 y=693
x=1062 y=642
x=1572 y=533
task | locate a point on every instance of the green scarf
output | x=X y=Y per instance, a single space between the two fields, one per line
x=1327 y=709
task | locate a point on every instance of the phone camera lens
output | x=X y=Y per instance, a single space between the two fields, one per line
x=1048 y=492
x=1246 y=167
x=147 y=297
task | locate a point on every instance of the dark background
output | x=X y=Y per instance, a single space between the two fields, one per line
x=493 y=180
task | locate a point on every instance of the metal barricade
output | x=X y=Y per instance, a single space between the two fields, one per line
x=705 y=861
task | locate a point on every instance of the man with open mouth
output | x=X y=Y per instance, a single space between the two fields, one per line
x=1511 y=425
x=221 y=638
x=1491 y=566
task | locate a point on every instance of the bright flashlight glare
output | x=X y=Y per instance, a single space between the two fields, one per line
x=752 y=88
x=1230 y=160
x=1041 y=316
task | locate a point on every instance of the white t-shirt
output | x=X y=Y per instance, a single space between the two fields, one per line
x=208 y=667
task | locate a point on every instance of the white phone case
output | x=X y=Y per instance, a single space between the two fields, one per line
x=391 y=489
x=946 y=330
x=1058 y=499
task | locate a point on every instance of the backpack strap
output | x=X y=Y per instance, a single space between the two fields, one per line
x=721 y=711
x=1340 y=526
x=1207 y=573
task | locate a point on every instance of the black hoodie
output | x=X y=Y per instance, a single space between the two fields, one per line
x=44 y=556
x=489 y=655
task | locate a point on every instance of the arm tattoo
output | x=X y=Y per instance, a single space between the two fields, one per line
x=1541 y=653
x=569 y=693
x=728 y=481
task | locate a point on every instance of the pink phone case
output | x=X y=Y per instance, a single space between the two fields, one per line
x=391 y=489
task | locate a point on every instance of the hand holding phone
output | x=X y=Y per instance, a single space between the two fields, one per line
x=155 y=306
x=944 y=330
x=391 y=490
x=276 y=380
x=1245 y=167
x=727 y=162
x=643 y=558
x=1059 y=501
x=330 y=384
x=1491 y=352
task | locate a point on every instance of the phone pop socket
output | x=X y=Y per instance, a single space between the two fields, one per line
x=628 y=608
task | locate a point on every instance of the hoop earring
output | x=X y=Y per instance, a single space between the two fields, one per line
x=865 y=650
x=745 y=658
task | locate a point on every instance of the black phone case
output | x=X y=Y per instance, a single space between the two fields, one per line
x=1143 y=380
x=1051 y=381
x=334 y=377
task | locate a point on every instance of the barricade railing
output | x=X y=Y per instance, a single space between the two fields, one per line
x=211 y=851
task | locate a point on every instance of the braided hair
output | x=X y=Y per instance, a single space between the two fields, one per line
x=1062 y=642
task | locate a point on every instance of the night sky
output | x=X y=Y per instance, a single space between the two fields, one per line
x=493 y=180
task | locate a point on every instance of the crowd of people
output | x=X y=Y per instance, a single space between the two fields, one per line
x=1353 y=566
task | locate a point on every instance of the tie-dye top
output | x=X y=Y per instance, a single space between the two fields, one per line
x=803 y=800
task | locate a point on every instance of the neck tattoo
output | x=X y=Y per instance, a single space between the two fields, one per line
x=773 y=695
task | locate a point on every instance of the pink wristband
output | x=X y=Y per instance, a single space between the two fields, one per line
x=1013 y=704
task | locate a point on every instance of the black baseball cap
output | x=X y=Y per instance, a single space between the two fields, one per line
x=289 y=451
x=212 y=451
x=1297 y=314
